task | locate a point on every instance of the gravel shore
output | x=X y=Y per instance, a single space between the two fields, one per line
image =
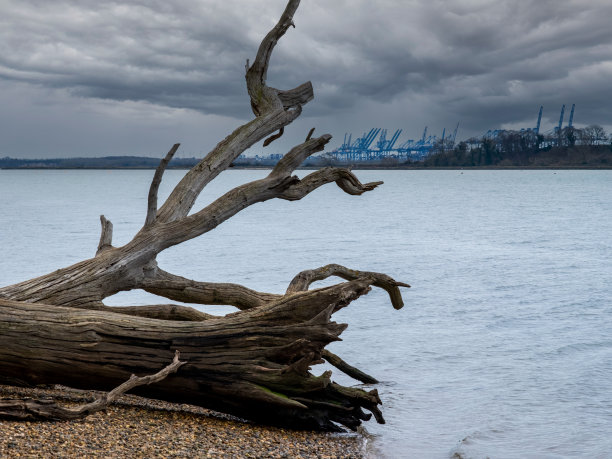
x=139 y=427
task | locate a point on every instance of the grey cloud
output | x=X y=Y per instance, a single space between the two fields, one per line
x=484 y=63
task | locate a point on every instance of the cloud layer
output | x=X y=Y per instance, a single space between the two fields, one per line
x=97 y=77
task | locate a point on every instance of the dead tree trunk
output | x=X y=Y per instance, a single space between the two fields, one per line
x=253 y=363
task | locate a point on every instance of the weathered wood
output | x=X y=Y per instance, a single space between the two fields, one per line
x=344 y=367
x=157 y=178
x=106 y=236
x=48 y=410
x=253 y=363
x=303 y=280
x=310 y=133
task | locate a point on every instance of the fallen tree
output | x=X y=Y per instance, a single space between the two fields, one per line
x=255 y=363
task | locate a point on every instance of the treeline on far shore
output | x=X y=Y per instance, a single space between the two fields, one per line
x=486 y=155
x=582 y=156
x=106 y=162
x=571 y=147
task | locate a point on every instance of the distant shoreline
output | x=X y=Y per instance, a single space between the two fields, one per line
x=600 y=159
x=352 y=167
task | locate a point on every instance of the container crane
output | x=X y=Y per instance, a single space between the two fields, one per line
x=561 y=119
x=394 y=139
x=537 y=129
x=382 y=140
x=454 y=136
x=571 y=119
x=560 y=125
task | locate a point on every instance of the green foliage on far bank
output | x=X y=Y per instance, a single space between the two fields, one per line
x=587 y=147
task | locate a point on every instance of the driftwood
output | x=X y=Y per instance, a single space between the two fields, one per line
x=49 y=410
x=55 y=329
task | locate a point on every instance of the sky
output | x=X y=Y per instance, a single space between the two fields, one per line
x=132 y=77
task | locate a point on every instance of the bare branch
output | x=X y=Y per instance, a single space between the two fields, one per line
x=274 y=137
x=343 y=178
x=157 y=178
x=310 y=133
x=50 y=411
x=347 y=369
x=298 y=154
x=274 y=110
x=278 y=184
x=178 y=288
x=302 y=281
x=184 y=195
x=256 y=75
x=106 y=237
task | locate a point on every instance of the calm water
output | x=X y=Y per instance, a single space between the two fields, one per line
x=504 y=348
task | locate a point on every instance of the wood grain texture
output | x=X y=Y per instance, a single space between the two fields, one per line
x=253 y=363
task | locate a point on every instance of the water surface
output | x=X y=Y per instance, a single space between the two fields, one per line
x=504 y=348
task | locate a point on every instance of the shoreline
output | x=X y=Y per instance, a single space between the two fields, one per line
x=350 y=166
x=139 y=427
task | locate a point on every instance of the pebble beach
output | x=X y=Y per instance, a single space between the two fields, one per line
x=138 y=427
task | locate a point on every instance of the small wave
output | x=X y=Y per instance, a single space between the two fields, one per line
x=581 y=347
x=465 y=448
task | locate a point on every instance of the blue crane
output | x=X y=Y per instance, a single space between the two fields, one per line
x=537 y=129
x=571 y=120
x=386 y=145
x=454 y=136
x=561 y=119
x=361 y=149
x=382 y=140
x=560 y=125
x=364 y=142
x=394 y=139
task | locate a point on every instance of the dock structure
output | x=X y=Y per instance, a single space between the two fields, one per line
x=365 y=149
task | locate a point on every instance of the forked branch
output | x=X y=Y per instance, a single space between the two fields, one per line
x=302 y=281
x=344 y=178
x=274 y=110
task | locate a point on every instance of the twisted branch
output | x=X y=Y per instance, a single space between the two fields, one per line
x=302 y=281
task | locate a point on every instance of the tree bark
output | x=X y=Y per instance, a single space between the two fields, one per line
x=253 y=363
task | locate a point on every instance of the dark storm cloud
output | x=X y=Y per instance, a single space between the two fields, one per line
x=153 y=51
x=398 y=64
